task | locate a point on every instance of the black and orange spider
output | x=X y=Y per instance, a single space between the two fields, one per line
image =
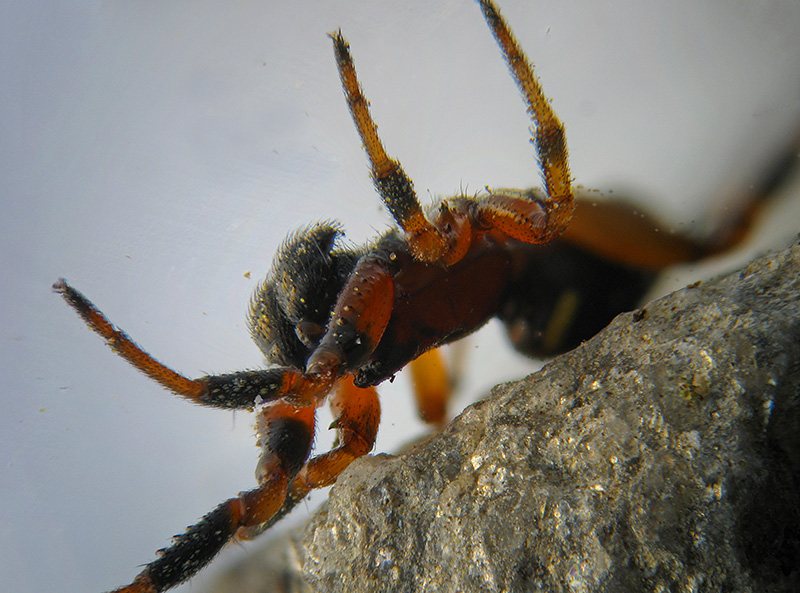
x=334 y=322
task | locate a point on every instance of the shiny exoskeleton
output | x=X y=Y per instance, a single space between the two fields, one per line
x=333 y=322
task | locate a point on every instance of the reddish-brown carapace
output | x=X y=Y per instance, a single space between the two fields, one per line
x=333 y=322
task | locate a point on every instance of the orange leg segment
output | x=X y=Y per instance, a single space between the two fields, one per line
x=120 y=343
x=356 y=413
x=394 y=186
x=359 y=318
x=431 y=386
x=517 y=215
x=548 y=138
x=244 y=389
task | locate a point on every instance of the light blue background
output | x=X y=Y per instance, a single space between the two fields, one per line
x=155 y=152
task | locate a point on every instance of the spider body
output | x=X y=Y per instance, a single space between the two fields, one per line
x=435 y=305
x=333 y=322
x=431 y=304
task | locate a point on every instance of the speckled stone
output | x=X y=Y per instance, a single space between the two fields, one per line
x=662 y=455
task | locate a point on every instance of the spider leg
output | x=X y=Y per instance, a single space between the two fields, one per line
x=233 y=390
x=356 y=417
x=617 y=231
x=516 y=214
x=359 y=317
x=394 y=186
x=287 y=435
x=356 y=413
x=431 y=386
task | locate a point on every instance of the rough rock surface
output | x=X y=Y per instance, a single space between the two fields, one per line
x=662 y=455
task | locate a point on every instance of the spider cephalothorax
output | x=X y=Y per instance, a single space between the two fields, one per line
x=334 y=321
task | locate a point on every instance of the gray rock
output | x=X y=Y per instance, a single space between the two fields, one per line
x=662 y=455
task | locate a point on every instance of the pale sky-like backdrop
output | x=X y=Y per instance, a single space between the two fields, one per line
x=154 y=153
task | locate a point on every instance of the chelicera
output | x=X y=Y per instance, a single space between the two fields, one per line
x=334 y=322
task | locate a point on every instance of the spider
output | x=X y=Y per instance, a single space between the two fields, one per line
x=334 y=322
